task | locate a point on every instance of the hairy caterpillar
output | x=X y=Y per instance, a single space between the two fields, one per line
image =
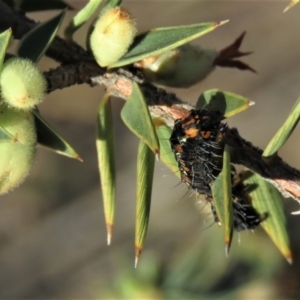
x=198 y=142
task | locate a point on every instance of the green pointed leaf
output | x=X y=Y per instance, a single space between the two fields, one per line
x=145 y=169
x=48 y=137
x=135 y=114
x=267 y=199
x=106 y=162
x=35 y=43
x=284 y=131
x=160 y=40
x=221 y=191
x=166 y=154
x=291 y=4
x=4 y=42
x=38 y=5
x=227 y=103
x=81 y=17
x=110 y=4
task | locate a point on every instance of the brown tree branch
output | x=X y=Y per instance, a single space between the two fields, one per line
x=67 y=75
x=59 y=50
x=78 y=67
x=284 y=177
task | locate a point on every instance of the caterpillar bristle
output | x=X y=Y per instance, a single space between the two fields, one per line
x=198 y=142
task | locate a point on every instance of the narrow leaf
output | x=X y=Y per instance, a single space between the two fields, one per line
x=284 y=131
x=81 y=17
x=106 y=162
x=267 y=199
x=291 y=4
x=110 y=4
x=166 y=154
x=135 y=114
x=160 y=40
x=221 y=190
x=145 y=169
x=48 y=137
x=4 y=42
x=35 y=43
x=227 y=103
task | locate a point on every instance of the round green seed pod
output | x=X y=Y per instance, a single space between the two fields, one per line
x=22 y=84
x=113 y=33
x=17 y=153
x=179 y=68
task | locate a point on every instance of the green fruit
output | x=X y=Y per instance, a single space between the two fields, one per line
x=17 y=154
x=113 y=33
x=179 y=68
x=22 y=84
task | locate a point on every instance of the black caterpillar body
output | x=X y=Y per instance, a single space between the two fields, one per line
x=198 y=142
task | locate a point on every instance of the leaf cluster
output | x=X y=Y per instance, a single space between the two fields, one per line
x=150 y=129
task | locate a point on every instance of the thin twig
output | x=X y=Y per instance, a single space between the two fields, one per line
x=78 y=67
x=59 y=50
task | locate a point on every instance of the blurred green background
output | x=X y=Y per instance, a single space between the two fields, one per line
x=52 y=231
